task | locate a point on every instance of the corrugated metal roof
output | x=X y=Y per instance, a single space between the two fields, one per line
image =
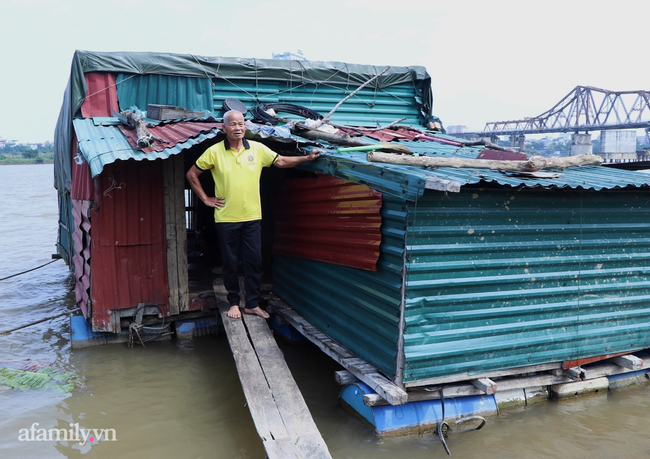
x=103 y=144
x=354 y=167
x=499 y=280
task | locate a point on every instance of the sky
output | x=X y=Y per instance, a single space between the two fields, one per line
x=491 y=60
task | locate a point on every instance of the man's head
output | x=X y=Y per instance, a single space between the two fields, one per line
x=234 y=125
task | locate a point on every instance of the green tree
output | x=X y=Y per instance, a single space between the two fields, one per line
x=29 y=153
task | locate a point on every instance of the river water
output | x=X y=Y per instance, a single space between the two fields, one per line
x=183 y=399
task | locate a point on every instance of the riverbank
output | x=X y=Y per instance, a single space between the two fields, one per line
x=12 y=160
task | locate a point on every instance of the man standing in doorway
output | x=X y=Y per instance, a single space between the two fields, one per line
x=236 y=166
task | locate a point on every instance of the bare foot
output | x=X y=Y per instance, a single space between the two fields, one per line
x=258 y=312
x=234 y=312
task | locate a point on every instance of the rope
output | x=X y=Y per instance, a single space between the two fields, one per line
x=29 y=270
x=443 y=433
x=6 y=332
x=135 y=328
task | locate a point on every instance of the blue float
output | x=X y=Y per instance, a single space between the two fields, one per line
x=414 y=417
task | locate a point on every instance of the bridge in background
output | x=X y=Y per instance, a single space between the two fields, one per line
x=584 y=109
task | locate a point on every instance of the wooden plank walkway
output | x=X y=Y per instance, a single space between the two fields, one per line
x=279 y=411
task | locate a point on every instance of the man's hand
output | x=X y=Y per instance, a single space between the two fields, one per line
x=216 y=203
x=315 y=154
x=291 y=161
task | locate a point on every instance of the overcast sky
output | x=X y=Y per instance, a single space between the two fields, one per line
x=489 y=60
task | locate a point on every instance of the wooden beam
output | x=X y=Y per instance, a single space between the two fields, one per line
x=576 y=374
x=344 y=377
x=628 y=361
x=489 y=374
x=358 y=367
x=485 y=385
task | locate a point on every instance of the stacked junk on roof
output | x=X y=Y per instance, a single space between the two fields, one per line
x=442 y=267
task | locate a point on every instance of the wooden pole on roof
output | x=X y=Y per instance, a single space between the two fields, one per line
x=326 y=118
x=533 y=164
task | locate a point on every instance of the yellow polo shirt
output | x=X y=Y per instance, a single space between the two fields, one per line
x=236 y=177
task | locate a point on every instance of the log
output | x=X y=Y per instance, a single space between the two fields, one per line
x=132 y=120
x=338 y=139
x=534 y=163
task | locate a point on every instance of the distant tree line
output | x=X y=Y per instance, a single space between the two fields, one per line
x=14 y=153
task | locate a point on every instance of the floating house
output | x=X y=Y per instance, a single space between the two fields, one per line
x=426 y=276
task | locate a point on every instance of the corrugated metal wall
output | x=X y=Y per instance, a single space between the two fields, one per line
x=503 y=279
x=129 y=251
x=366 y=108
x=141 y=90
x=357 y=308
x=328 y=219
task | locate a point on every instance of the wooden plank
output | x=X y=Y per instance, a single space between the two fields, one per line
x=358 y=367
x=288 y=398
x=576 y=374
x=629 y=361
x=344 y=377
x=485 y=385
x=268 y=423
x=489 y=374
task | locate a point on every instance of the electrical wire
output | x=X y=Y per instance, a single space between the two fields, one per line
x=29 y=270
x=6 y=332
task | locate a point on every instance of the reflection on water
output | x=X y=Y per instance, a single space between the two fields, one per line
x=183 y=399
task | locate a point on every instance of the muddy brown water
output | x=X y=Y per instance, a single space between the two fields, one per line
x=183 y=399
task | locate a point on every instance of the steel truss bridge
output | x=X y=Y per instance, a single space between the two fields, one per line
x=584 y=109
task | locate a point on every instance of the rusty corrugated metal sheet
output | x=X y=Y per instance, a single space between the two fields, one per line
x=358 y=308
x=168 y=135
x=129 y=252
x=101 y=97
x=330 y=220
x=81 y=258
x=102 y=142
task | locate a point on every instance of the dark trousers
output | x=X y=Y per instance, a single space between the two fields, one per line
x=246 y=236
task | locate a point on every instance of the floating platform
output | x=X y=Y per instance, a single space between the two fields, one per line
x=395 y=411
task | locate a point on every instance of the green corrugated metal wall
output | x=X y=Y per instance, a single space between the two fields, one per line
x=357 y=308
x=366 y=108
x=502 y=279
x=141 y=90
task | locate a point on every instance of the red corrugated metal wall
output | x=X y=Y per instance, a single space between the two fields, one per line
x=129 y=251
x=101 y=98
x=328 y=219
